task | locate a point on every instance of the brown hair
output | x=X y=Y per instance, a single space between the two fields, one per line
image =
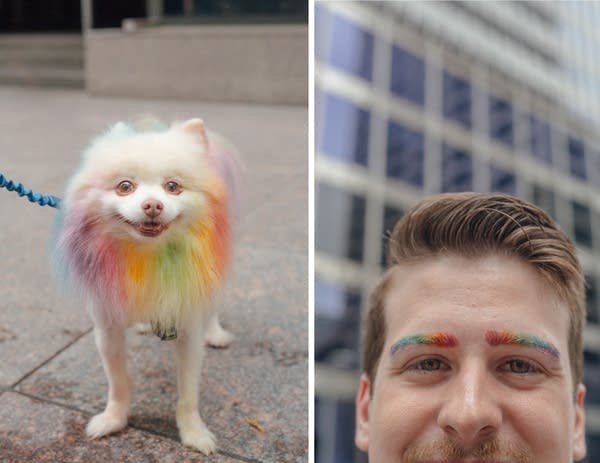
x=471 y=225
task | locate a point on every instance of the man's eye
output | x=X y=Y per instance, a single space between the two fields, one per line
x=125 y=187
x=430 y=364
x=173 y=187
x=520 y=367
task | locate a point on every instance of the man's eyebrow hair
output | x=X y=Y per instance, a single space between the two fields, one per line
x=507 y=337
x=436 y=338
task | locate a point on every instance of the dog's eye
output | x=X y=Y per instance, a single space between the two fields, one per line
x=125 y=187
x=173 y=187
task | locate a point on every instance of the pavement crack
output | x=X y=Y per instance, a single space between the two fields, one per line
x=49 y=359
x=51 y=402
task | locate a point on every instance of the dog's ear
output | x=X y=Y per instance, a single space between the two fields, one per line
x=196 y=127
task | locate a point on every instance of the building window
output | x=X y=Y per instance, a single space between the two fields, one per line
x=408 y=76
x=337 y=327
x=457 y=170
x=334 y=423
x=540 y=137
x=582 y=224
x=501 y=120
x=577 y=157
x=544 y=198
x=591 y=299
x=391 y=215
x=351 y=48
x=344 y=134
x=231 y=10
x=592 y=380
x=405 y=148
x=502 y=180
x=457 y=99
x=340 y=223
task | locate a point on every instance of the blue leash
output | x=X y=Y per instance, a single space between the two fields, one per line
x=22 y=190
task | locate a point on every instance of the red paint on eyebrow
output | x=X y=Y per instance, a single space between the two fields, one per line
x=437 y=338
x=507 y=337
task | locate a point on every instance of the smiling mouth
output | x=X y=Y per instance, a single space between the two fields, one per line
x=149 y=228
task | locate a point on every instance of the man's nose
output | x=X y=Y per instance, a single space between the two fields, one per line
x=471 y=412
x=152 y=207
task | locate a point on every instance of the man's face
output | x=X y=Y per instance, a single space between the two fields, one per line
x=475 y=368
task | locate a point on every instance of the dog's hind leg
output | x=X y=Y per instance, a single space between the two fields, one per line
x=111 y=346
x=189 y=346
x=216 y=335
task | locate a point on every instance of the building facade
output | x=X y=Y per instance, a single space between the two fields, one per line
x=417 y=98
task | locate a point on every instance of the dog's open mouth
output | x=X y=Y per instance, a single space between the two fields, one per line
x=150 y=228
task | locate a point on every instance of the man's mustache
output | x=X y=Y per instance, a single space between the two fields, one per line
x=449 y=450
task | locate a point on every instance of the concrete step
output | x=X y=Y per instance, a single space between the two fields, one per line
x=42 y=59
x=40 y=76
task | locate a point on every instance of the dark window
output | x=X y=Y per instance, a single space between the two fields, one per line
x=541 y=144
x=238 y=10
x=110 y=14
x=591 y=299
x=592 y=377
x=391 y=215
x=351 y=48
x=457 y=99
x=577 y=158
x=408 y=76
x=56 y=15
x=337 y=327
x=502 y=180
x=544 y=198
x=345 y=132
x=501 y=120
x=582 y=224
x=405 y=154
x=457 y=170
x=334 y=422
x=340 y=222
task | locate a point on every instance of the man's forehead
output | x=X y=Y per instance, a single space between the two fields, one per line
x=500 y=285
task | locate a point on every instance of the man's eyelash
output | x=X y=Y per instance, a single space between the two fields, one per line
x=419 y=365
x=531 y=367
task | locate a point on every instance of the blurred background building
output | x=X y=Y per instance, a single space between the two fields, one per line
x=213 y=50
x=417 y=98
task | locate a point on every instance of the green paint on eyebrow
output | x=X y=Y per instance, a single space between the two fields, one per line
x=437 y=338
x=506 y=337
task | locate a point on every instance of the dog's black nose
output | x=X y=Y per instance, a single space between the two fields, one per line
x=152 y=207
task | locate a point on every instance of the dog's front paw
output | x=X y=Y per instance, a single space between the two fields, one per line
x=199 y=438
x=219 y=337
x=105 y=423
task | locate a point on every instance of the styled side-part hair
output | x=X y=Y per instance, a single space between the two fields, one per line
x=472 y=225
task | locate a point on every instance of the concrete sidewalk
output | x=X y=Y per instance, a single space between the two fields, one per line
x=51 y=377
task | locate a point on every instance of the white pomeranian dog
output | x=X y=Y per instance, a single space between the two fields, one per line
x=144 y=237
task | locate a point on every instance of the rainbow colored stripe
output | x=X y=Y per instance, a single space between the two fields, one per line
x=507 y=337
x=438 y=338
x=160 y=283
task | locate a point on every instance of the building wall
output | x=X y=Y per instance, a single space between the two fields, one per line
x=402 y=112
x=240 y=63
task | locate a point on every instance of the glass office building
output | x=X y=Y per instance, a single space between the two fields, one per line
x=417 y=98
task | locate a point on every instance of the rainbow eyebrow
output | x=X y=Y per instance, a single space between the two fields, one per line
x=437 y=338
x=507 y=337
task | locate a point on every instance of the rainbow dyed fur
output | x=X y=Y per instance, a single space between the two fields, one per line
x=144 y=236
